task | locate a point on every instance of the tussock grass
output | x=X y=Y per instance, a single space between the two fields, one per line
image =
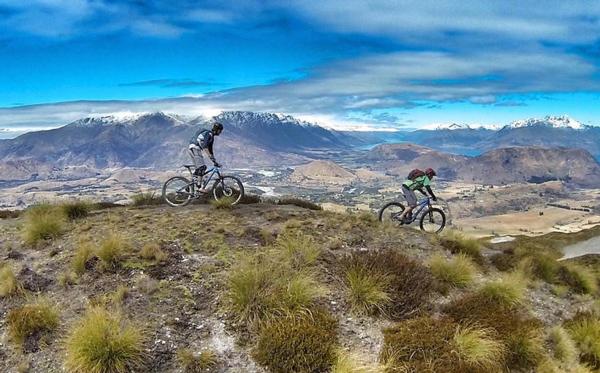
x=347 y=363
x=224 y=203
x=457 y=242
x=9 y=285
x=563 y=346
x=407 y=283
x=112 y=250
x=31 y=319
x=146 y=199
x=526 y=348
x=300 y=203
x=297 y=249
x=298 y=342
x=192 y=363
x=82 y=256
x=585 y=331
x=457 y=271
x=579 y=278
x=103 y=342
x=74 y=210
x=542 y=266
x=152 y=251
x=478 y=348
x=509 y=290
x=42 y=222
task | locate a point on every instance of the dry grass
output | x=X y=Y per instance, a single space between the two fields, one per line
x=192 y=363
x=224 y=203
x=152 y=251
x=563 y=346
x=509 y=290
x=585 y=331
x=146 y=199
x=42 y=222
x=366 y=291
x=82 y=256
x=112 y=250
x=457 y=271
x=103 y=342
x=300 y=203
x=74 y=210
x=478 y=348
x=579 y=278
x=9 y=285
x=31 y=319
x=457 y=242
x=348 y=363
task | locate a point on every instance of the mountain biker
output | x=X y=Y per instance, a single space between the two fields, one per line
x=422 y=180
x=202 y=141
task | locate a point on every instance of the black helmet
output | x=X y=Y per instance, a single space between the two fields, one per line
x=217 y=128
x=430 y=172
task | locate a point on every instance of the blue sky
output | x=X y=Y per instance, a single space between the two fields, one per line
x=344 y=63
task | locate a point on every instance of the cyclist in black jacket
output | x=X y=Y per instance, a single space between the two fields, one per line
x=202 y=141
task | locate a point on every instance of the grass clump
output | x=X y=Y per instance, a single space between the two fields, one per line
x=112 y=250
x=152 y=251
x=347 y=363
x=300 y=203
x=192 y=363
x=82 y=256
x=457 y=271
x=563 y=346
x=584 y=328
x=102 y=342
x=457 y=242
x=42 y=222
x=74 y=210
x=385 y=282
x=146 y=199
x=297 y=249
x=298 y=342
x=478 y=348
x=31 y=320
x=224 y=203
x=9 y=285
x=509 y=290
x=579 y=278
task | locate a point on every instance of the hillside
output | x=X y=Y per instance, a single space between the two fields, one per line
x=159 y=141
x=322 y=172
x=234 y=294
x=498 y=167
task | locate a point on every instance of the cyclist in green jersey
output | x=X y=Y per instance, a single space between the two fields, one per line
x=417 y=183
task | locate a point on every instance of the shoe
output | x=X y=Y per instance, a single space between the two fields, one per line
x=203 y=190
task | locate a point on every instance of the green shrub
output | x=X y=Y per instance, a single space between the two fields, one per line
x=457 y=242
x=42 y=222
x=146 y=199
x=478 y=348
x=112 y=250
x=408 y=282
x=579 y=278
x=102 y=342
x=298 y=342
x=74 y=210
x=457 y=271
x=192 y=363
x=300 y=203
x=31 y=319
x=509 y=290
x=585 y=331
x=9 y=285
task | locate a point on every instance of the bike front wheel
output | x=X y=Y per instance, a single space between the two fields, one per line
x=391 y=212
x=433 y=220
x=228 y=187
x=178 y=191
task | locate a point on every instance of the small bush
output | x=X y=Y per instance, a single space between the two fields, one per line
x=9 y=285
x=408 y=282
x=457 y=242
x=298 y=342
x=31 y=320
x=146 y=199
x=102 y=342
x=152 y=251
x=224 y=203
x=585 y=331
x=366 y=291
x=478 y=348
x=300 y=203
x=42 y=222
x=509 y=290
x=458 y=271
x=112 y=250
x=579 y=278
x=192 y=363
x=76 y=209
x=82 y=256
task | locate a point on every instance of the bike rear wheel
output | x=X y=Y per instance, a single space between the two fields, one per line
x=433 y=220
x=178 y=191
x=228 y=187
x=391 y=212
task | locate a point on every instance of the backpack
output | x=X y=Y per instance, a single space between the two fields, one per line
x=415 y=174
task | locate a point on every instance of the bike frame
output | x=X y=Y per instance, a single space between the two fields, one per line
x=213 y=171
x=424 y=203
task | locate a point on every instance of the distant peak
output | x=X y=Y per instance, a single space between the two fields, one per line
x=457 y=126
x=243 y=117
x=562 y=121
x=124 y=117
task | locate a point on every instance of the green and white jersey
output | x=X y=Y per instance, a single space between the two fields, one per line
x=418 y=183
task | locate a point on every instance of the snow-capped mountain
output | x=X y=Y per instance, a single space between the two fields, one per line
x=548 y=121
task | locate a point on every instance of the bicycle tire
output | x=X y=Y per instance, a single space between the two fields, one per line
x=380 y=215
x=224 y=192
x=174 y=203
x=427 y=214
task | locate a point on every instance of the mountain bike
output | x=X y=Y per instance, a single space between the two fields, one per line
x=179 y=191
x=431 y=219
